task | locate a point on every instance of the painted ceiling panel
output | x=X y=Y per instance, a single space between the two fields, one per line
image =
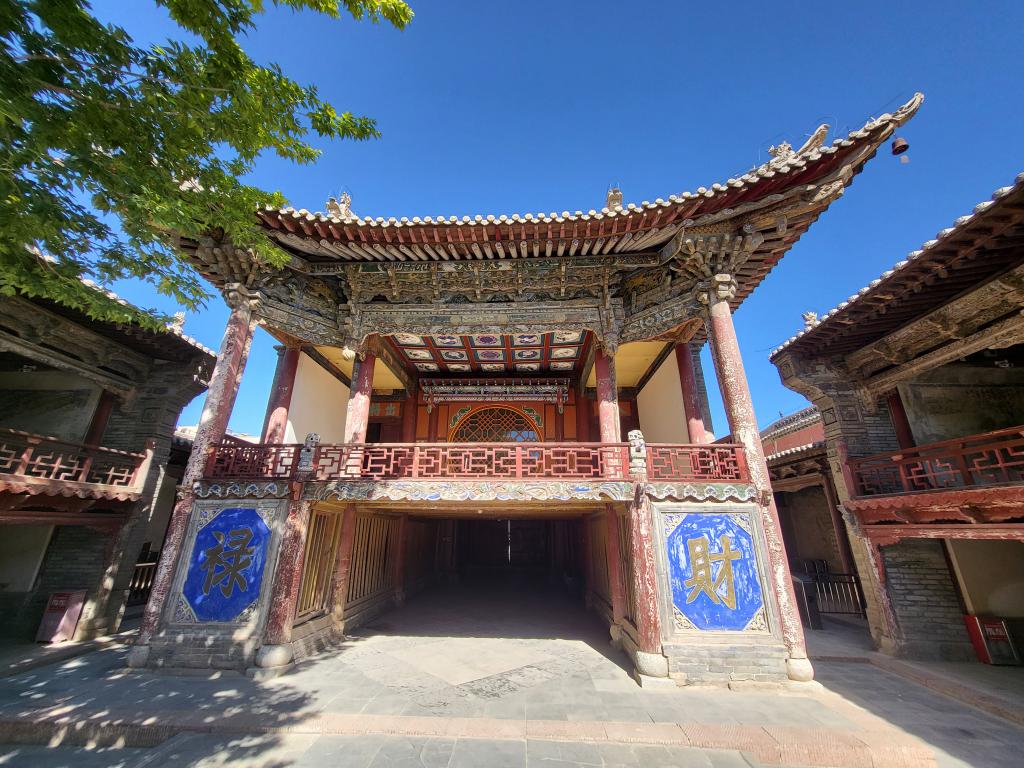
x=560 y=352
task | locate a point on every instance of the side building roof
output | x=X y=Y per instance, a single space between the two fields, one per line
x=978 y=247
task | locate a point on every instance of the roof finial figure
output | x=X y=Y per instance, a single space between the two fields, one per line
x=781 y=151
x=810 y=319
x=341 y=206
x=177 y=322
x=614 y=199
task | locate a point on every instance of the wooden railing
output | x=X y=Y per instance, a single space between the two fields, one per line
x=141 y=584
x=476 y=461
x=715 y=462
x=991 y=458
x=37 y=459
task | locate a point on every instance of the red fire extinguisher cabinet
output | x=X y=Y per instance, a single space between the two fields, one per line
x=991 y=640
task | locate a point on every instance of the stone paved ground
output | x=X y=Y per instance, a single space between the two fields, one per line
x=464 y=680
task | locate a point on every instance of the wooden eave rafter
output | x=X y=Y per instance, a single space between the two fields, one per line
x=974 y=314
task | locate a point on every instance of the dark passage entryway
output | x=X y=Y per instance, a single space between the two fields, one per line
x=532 y=550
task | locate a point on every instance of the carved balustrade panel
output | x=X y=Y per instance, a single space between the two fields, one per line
x=991 y=458
x=697 y=463
x=479 y=461
x=245 y=461
x=46 y=458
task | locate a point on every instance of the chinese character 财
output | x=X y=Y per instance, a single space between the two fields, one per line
x=703 y=578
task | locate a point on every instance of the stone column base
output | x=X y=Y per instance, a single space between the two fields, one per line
x=274 y=656
x=800 y=670
x=138 y=656
x=646 y=664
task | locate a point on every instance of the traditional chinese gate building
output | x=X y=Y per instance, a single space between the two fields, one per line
x=918 y=379
x=470 y=385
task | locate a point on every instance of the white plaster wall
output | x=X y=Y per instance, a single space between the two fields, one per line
x=991 y=576
x=660 y=406
x=319 y=403
x=21 y=552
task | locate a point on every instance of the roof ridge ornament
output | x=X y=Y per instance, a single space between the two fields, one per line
x=340 y=206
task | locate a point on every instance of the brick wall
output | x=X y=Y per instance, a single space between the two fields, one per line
x=74 y=560
x=925 y=601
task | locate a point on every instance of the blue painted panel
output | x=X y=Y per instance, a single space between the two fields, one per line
x=226 y=568
x=713 y=572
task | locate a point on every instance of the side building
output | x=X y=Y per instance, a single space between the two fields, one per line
x=919 y=379
x=87 y=415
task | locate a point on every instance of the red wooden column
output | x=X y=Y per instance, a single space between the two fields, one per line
x=409 y=408
x=220 y=399
x=900 y=422
x=275 y=651
x=100 y=417
x=732 y=380
x=343 y=563
x=616 y=579
x=691 y=398
x=276 y=423
x=358 y=415
x=607 y=398
x=582 y=417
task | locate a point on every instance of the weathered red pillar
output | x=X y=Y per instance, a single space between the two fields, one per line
x=900 y=422
x=732 y=380
x=607 y=398
x=691 y=398
x=343 y=563
x=649 y=659
x=409 y=408
x=275 y=651
x=582 y=417
x=281 y=396
x=616 y=579
x=220 y=399
x=358 y=415
x=100 y=417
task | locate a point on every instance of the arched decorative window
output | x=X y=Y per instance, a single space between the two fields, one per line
x=495 y=424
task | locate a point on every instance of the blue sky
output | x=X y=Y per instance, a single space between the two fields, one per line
x=539 y=106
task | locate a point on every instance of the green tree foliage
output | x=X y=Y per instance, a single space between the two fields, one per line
x=107 y=148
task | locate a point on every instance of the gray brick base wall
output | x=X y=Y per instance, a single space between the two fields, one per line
x=725 y=663
x=201 y=649
x=925 y=601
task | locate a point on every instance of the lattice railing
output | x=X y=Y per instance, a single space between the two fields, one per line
x=36 y=458
x=991 y=458
x=478 y=461
x=251 y=461
x=717 y=462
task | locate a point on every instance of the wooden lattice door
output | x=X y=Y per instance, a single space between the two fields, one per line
x=495 y=425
